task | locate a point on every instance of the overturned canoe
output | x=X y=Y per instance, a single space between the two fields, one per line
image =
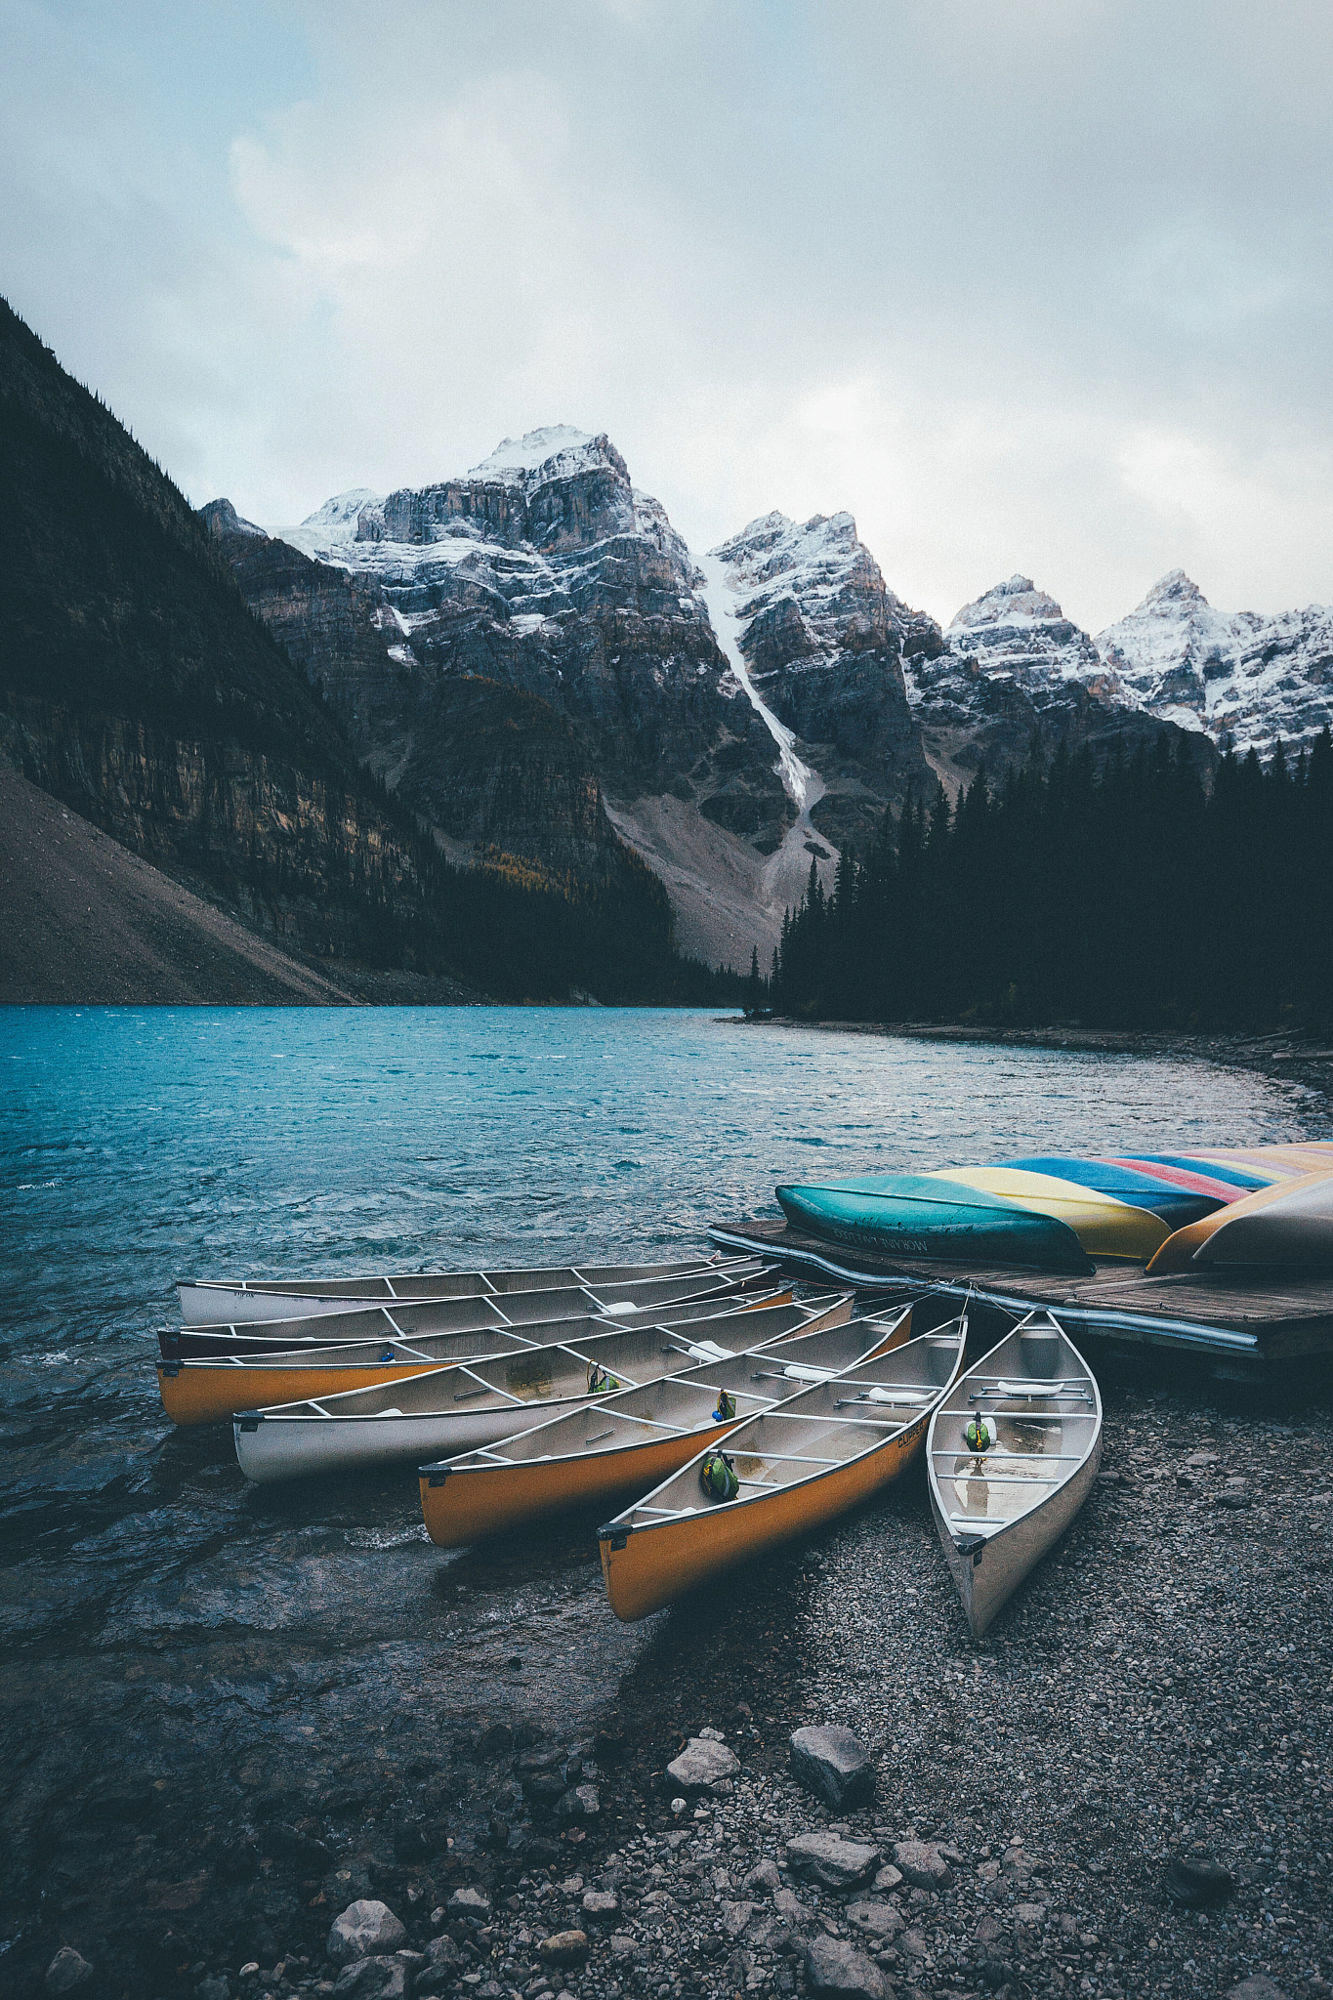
x=814 y=1456
x=1002 y=1496
x=204 y=1389
x=213 y=1301
x=708 y=1287
x=924 y=1215
x=629 y=1441
x=447 y=1410
x=1289 y=1225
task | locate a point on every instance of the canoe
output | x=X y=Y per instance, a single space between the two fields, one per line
x=204 y=1389
x=465 y=1315
x=213 y=1301
x=999 y=1509
x=447 y=1410
x=924 y=1215
x=803 y=1463
x=629 y=1441
x=1289 y=1224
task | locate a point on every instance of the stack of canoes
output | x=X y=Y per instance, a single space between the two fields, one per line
x=729 y=1416
x=1266 y=1206
x=209 y=1373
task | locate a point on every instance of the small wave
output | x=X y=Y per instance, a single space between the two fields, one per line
x=386 y=1538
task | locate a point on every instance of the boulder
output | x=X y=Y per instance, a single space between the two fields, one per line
x=68 y=1970
x=442 y=1956
x=826 y=1858
x=564 y=1948
x=832 y=1966
x=364 y=1930
x=379 y=1978
x=579 y=1802
x=833 y=1764
x=470 y=1901
x=1197 y=1881
x=1257 y=1987
x=603 y=1903
x=922 y=1864
x=702 y=1763
x=764 y=1875
x=878 y=1918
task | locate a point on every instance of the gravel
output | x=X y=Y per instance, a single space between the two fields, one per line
x=1152 y=1709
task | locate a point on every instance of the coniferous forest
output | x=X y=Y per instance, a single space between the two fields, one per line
x=1135 y=896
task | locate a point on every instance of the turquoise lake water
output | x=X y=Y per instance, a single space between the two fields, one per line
x=138 y=1146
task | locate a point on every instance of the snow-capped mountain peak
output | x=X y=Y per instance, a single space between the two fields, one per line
x=1249 y=679
x=1007 y=604
x=343 y=510
x=1177 y=589
x=514 y=460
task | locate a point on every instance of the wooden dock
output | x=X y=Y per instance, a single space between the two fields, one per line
x=1238 y=1325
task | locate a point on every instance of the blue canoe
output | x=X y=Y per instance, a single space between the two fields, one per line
x=921 y=1215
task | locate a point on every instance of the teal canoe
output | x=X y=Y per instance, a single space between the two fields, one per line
x=917 y=1215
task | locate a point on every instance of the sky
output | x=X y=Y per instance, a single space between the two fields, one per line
x=1025 y=285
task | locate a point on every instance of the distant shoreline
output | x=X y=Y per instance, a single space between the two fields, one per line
x=1284 y=1057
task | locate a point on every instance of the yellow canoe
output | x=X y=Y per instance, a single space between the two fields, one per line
x=800 y=1464
x=1104 y=1225
x=629 y=1441
x=215 y=1388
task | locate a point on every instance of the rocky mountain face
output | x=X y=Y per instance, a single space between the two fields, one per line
x=1250 y=681
x=823 y=639
x=530 y=654
x=1014 y=676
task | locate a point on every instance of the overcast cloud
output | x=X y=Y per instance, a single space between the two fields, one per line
x=1024 y=284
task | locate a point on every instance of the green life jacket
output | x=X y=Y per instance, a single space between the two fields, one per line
x=726 y=1408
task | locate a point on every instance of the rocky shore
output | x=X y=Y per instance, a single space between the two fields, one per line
x=1123 y=1792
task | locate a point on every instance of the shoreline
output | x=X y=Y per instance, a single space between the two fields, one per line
x=1282 y=1056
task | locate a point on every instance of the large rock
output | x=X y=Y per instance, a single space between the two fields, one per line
x=827 y=1858
x=564 y=1948
x=469 y=1901
x=1197 y=1881
x=701 y=1763
x=1257 y=1987
x=922 y=1864
x=833 y=1764
x=67 y=1971
x=364 y=1930
x=880 y=1919
x=832 y=1966
x=379 y=1978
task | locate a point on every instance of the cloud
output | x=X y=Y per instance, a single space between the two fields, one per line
x=1023 y=285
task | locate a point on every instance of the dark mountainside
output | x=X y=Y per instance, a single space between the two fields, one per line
x=136 y=687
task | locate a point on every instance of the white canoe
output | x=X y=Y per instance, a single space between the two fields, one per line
x=216 y=1301
x=206 y=1388
x=629 y=1441
x=708 y=1287
x=477 y=1403
x=808 y=1459
x=999 y=1510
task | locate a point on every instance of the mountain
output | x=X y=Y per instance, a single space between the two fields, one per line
x=822 y=639
x=1250 y=681
x=138 y=689
x=1015 y=677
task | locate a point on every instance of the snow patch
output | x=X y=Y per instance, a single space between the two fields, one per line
x=720 y=596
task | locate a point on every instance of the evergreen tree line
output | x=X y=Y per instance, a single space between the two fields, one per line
x=1138 y=896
